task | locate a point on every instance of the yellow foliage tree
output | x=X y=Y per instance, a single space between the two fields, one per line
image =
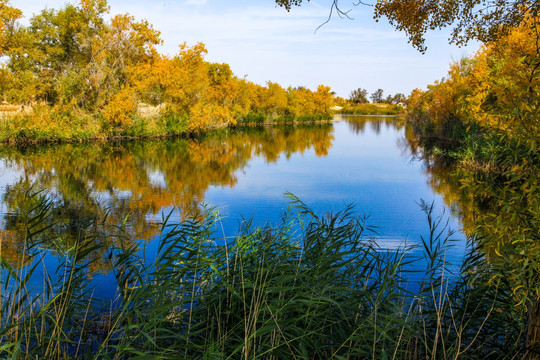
x=120 y=109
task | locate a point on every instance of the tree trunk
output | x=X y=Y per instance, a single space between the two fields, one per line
x=532 y=341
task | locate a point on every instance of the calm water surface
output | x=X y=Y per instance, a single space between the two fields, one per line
x=242 y=172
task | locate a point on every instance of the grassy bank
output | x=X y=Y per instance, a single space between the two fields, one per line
x=262 y=118
x=46 y=124
x=371 y=109
x=310 y=287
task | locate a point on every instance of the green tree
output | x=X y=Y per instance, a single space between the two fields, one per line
x=377 y=96
x=359 y=96
x=76 y=57
x=56 y=49
x=399 y=97
x=8 y=24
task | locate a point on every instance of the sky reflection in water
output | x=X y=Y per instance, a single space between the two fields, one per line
x=244 y=173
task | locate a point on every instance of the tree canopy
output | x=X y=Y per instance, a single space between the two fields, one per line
x=80 y=72
x=359 y=96
x=482 y=20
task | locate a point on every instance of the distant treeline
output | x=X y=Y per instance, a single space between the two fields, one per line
x=74 y=74
x=358 y=103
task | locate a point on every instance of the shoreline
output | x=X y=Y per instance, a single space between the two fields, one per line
x=26 y=140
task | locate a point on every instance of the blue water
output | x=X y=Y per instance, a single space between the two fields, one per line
x=368 y=164
x=370 y=170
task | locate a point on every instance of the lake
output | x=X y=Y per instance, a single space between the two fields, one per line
x=244 y=173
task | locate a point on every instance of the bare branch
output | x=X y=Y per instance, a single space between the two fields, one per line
x=360 y=2
x=341 y=13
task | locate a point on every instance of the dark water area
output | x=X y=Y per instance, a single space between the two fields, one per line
x=243 y=173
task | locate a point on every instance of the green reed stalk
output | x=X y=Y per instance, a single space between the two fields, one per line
x=310 y=287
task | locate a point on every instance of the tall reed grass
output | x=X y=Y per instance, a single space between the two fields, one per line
x=310 y=287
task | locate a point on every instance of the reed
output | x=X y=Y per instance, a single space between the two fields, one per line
x=310 y=287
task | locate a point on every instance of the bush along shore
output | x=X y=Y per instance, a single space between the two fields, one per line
x=75 y=126
x=80 y=73
x=371 y=109
x=483 y=122
x=309 y=287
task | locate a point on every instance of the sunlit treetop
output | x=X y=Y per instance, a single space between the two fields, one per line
x=8 y=17
x=483 y=20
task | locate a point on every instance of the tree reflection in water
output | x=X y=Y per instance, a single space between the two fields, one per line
x=134 y=180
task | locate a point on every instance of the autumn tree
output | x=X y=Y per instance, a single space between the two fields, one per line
x=322 y=99
x=74 y=56
x=487 y=109
x=276 y=99
x=55 y=49
x=8 y=24
x=89 y=73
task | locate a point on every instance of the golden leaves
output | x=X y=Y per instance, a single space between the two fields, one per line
x=121 y=108
x=77 y=58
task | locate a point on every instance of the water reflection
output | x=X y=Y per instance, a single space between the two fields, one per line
x=361 y=160
x=134 y=180
x=502 y=211
x=357 y=123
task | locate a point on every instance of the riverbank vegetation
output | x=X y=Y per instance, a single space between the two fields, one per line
x=482 y=121
x=75 y=75
x=371 y=109
x=312 y=286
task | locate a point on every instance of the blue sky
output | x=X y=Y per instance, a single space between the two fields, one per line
x=265 y=42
